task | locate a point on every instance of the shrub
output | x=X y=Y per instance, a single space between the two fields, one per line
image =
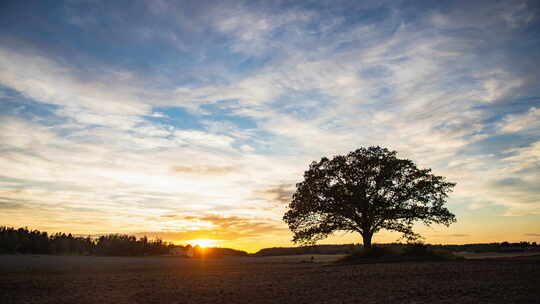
x=399 y=253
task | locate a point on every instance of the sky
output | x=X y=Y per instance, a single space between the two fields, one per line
x=191 y=120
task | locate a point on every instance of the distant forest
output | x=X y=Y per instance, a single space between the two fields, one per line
x=349 y=248
x=25 y=241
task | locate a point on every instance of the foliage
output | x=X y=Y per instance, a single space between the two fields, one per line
x=399 y=253
x=128 y=245
x=375 y=252
x=24 y=241
x=503 y=247
x=365 y=191
x=316 y=249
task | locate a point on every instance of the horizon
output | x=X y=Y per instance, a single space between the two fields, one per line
x=194 y=121
x=211 y=244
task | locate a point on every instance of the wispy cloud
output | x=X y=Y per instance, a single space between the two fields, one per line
x=280 y=194
x=526 y=122
x=149 y=119
x=205 y=170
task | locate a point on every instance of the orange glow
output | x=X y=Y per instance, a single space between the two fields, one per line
x=203 y=243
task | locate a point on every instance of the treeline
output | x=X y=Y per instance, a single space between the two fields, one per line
x=492 y=247
x=349 y=248
x=213 y=252
x=25 y=241
x=316 y=249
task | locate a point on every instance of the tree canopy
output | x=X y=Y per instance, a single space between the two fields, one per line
x=366 y=191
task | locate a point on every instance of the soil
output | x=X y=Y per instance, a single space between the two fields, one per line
x=61 y=279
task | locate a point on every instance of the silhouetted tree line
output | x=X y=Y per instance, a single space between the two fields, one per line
x=24 y=241
x=212 y=252
x=350 y=248
x=492 y=247
x=315 y=249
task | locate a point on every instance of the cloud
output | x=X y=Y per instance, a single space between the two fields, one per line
x=204 y=170
x=86 y=117
x=458 y=235
x=254 y=31
x=529 y=122
x=445 y=236
x=524 y=158
x=53 y=173
x=223 y=228
x=271 y=88
x=280 y=194
x=199 y=138
x=9 y=205
x=532 y=234
x=42 y=79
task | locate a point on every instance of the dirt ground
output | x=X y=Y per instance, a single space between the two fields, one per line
x=56 y=279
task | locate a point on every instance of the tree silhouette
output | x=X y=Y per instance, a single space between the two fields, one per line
x=23 y=240
x=365 y=191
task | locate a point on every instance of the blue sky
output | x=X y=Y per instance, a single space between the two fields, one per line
x=194 y=119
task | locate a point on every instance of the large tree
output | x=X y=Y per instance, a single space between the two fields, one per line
x=365 y=191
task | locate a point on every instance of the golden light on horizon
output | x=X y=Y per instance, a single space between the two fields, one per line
x=205 y=243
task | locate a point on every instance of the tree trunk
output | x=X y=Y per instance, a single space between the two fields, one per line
x=367 y=239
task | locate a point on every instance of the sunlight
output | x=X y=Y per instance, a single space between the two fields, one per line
x=203 y=243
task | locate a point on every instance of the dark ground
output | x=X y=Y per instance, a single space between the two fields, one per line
x=56 y=279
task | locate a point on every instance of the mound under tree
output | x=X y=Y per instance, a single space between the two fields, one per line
x=366 y=191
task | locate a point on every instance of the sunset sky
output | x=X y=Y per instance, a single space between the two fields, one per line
x=194 y=119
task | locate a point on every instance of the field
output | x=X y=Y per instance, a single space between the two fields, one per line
x=75 y=279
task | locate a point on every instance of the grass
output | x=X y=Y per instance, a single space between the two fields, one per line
x=416 y=252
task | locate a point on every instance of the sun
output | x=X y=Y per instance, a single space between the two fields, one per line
x=205 y=243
